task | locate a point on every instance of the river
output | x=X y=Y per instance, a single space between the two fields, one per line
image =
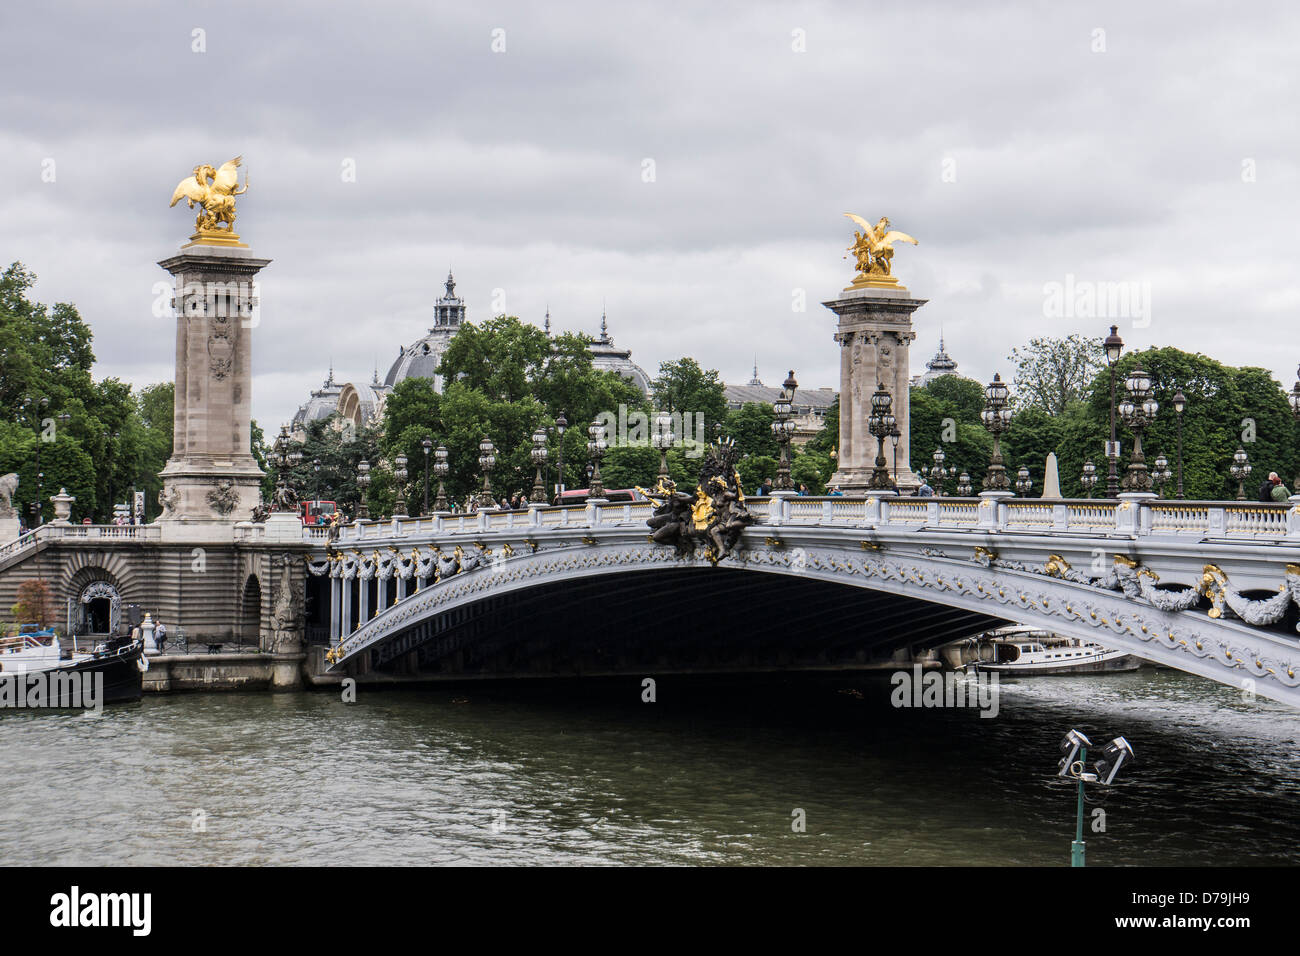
x=712 y=772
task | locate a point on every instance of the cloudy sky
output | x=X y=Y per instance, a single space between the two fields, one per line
x=685 y=164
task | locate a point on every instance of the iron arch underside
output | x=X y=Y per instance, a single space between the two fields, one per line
x=674 y=619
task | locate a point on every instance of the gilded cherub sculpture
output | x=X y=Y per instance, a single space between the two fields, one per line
x=214 y=191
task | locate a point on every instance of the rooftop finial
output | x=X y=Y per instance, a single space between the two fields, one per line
x=547 y=324
x=451 y=284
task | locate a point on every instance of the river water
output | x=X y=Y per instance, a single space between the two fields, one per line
x=712 y=772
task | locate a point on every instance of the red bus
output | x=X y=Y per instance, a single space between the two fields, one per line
x=316 y=513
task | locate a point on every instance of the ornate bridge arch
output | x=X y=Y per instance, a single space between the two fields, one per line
x=1201 y=624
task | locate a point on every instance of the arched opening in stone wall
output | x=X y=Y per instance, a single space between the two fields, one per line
x=250 y=613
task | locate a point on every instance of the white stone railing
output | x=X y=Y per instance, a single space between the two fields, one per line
x=94 y=532
x=1086 y=517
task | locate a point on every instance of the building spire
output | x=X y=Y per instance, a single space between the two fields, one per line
x=547 y=325
x=604 y=326
x=755 y=380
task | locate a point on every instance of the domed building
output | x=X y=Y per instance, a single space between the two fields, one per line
x=607 y=357
x=323 y=403
x=421 y=358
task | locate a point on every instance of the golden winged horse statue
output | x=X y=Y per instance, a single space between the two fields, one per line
x=214 y=191
x=873 y=247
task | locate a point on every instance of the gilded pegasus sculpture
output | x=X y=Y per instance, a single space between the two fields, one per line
x=214 y=191
x=873 y=248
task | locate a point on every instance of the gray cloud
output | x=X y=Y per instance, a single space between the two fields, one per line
x=523 y=171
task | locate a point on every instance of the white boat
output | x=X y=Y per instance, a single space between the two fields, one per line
x=34 y=652
x=1034 y=651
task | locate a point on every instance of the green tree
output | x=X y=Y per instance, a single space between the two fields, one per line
x=1053 y=373
x=683 y=387
x=750 y=427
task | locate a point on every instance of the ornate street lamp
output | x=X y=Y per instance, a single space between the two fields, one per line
x=1138 y=411
x=539 y=459
x=1023 y=482
x=1114 y=345
x=427 y=446
x=363 y=483
x=487 y=460
x=561 y=425
x=938 y=473
x=1160 y=474
x=1295 y=410
x=783 y=430
x=663 y=439
x=315 y=471
x=1180 y=403
x=596 y=449
x=35 y=413
x=964 y=489
x=1240 y=471
x=996 y=416
x=399 y=474
x=895 y=436
x=284 y=455
x=1089 y=478
x=440 y=468
x=880 y=424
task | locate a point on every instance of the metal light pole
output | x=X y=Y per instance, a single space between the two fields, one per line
x=487 y=460
x=1023 y=482
x=663 y=439
x=996 y=417
x=1114 y=345
x=963 y=485
x=284 y=457
x=363 y=482
x=880 y=424
x=315 y=470
x=1180 y=403
x=1160 y=474
x=938 y=473
x=1240 y=469
x=38 y=406
x=400 y=475
x=596 y=448
x=440 y=468
x=783 y=430
x=1295 y=410
x=539 y=459
x=561 y=425
x=1088 y=480
x=427 y=446
x=1138 y=410
x=895 y=436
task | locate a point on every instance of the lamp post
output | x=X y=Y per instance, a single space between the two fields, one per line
x=996 y=416
x=783 y=431
x=663 y=439
x=1160 y=474
x=284 y=456
x=487 y=460
x=315 y=471
x=894 y=437
x=1240 y=471
x=440 y=468
x=426 y=445
x=964 y=488
x=880 y=424
x=363 y=483
x=596 y=448
x=1114 y=345
x=561 y=425
x=1295 y=410
x=1138 y=411
x=1180 y=403
x=539 y=459
x=108 y=451
x=1089 y=478
x=1023 y=482
x=400 y=474
x=938 y=473
x=36 y=407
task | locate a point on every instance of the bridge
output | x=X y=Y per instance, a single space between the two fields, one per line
x=834 y=583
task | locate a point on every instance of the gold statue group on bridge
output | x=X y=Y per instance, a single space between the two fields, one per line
x=214 y=192
x=873 y=248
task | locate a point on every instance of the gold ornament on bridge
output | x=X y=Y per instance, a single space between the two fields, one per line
x=214 y=192
x=873 y=248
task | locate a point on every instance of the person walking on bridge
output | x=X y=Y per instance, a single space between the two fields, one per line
x=1277 y=491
